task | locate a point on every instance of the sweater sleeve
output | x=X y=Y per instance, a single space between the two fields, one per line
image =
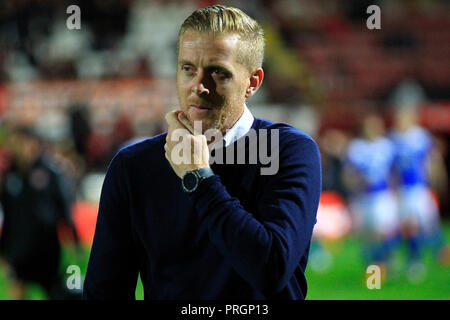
x=266 y=251
x=112 y=269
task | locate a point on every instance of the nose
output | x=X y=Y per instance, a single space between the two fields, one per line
x=200 y=87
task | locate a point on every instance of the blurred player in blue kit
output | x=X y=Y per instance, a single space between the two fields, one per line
x=370 y=160
x=416 y=155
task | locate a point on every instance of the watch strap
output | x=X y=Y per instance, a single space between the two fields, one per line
x=204 y=173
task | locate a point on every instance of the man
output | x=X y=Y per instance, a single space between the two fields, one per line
x=370 y=160
x=416 y=157
x=195 y=230
x=36 y=197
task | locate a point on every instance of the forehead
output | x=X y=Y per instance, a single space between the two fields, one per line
x=209 y=46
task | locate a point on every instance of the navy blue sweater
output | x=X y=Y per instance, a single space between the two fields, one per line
x=240 y=235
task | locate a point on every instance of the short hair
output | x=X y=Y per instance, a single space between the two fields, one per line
x=219 y=19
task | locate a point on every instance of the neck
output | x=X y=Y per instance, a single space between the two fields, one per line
x=224 y=131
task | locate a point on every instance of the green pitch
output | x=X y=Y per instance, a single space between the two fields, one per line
x=345 y=278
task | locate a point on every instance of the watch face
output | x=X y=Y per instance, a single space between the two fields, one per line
x=190 y=181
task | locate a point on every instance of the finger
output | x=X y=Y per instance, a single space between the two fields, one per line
x=169 y=115
x=172 y=120
x=185 y=121
x=205 y=150
x=177 y=119
x=168 y=147
x=168 y=158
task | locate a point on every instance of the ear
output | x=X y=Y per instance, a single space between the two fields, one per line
x=256 y=80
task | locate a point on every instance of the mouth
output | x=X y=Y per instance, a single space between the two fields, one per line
x=199 y=109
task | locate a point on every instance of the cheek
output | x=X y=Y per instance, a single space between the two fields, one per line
x=179 y=87
x=231 y=92
x=182 y=92
x=237 y=94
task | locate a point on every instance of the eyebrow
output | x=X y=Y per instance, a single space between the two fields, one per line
x=210 y=66
x=217 y=66
x=183 y=62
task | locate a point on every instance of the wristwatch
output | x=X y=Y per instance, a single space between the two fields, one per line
x=192 y=179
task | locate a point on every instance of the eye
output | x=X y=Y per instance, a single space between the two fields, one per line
x=187 y=69
x=220 y=73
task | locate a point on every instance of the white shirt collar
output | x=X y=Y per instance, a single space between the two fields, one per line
x=240 y=128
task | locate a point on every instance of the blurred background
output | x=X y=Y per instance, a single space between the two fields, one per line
x=376 y=101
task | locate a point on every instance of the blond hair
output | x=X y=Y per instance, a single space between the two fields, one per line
x=219 y=19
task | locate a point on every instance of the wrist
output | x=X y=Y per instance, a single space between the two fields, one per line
x=192 y=168
x=192 y=179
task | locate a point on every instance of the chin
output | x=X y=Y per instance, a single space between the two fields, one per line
x=205 y=119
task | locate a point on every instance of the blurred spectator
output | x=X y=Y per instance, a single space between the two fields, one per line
x=98 y=148
x=333 y=217
x=333 y=145
x=80 y=126
x=152 y=32
x=36 y=198
x=122 y=132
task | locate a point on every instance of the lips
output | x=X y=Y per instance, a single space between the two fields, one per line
x=199 y=109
